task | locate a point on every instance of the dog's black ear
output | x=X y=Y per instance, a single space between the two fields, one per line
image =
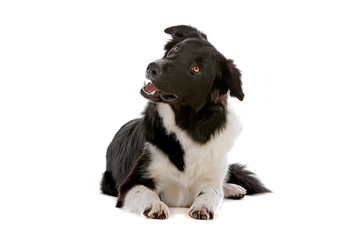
x=232 y=76
x=180 y=33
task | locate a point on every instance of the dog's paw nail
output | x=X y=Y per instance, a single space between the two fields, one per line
x=157 y=211
x=203 y=214
x=203 y=217
x=195 y=215
x=154 y=216
x=146 y=211
x=162 y=216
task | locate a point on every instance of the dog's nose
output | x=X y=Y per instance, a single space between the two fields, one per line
x=154 y=70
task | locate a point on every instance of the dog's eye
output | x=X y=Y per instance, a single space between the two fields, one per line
x=196 y=69
x=176 y=49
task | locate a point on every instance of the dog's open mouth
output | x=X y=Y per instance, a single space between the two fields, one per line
x=149 y=91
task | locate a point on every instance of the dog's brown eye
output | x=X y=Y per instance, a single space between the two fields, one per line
x=176 y=49
x=196 y=69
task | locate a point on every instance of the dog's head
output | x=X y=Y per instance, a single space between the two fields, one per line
x=192 y=72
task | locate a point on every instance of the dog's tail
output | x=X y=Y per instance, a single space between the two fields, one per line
x=108 y=185
x=237 y=174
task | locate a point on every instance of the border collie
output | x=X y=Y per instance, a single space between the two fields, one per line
x=176 y=154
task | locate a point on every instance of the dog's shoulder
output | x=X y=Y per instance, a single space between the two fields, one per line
x=216 y=125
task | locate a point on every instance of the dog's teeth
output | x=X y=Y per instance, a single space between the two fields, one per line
x=144 y=83
x=153 y=92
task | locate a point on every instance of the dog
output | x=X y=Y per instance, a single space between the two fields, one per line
x=175 y=154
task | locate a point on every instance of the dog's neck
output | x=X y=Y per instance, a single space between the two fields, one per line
x=202 y=124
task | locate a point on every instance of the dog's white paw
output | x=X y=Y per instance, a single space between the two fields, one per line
x=201 y=210
x=157 y=210
x=234 y=191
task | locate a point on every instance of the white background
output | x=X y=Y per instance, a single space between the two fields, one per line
x=70 y=76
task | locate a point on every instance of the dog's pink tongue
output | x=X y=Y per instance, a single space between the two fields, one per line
x=150 y=88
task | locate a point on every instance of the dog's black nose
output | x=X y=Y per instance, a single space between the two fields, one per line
x=153 y=70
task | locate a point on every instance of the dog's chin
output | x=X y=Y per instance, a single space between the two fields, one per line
x=149 y=91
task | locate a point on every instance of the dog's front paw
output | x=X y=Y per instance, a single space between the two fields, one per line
x=157 y=210
x=234 y=191
x=201 y=211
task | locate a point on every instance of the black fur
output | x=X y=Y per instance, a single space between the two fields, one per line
x=156 y=134
x=136 y=177
x=179 y=33
x=124 y=152
x=108 y=185
x=199 y=101
x=203 y=124
x=246 y=179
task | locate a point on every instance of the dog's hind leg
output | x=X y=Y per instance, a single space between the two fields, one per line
x=238 y=175
x=143 y=200
x=108 y=185
x=233 y=191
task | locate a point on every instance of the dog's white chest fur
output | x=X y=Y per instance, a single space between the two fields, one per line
x=205 y=164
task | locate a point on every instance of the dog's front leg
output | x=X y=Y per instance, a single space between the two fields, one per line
x=206 y=203
x=143 y=200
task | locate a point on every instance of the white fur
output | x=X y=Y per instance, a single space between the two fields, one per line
x=231 y=190
x=205 y=164
x=200 y=185
x=141 y=198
